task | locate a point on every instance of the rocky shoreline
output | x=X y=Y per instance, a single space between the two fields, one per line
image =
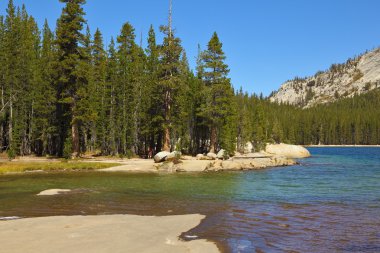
x=274 y=156
x=233 y=164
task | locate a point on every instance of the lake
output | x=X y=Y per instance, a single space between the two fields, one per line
x=329 y=203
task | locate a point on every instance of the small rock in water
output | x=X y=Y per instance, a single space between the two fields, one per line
x=191 y=236
x=51 y=192
x=10 y=218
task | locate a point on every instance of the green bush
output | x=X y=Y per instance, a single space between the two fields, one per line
x=11 y=153
x=67 y=149
x=129 y=154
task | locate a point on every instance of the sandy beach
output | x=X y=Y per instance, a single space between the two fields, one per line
x=103 y=233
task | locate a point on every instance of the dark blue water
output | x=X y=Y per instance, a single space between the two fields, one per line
x=329 y=203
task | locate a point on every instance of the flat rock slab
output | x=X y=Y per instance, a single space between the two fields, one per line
x=52 y=192
x=194 y=165
x=287 y=150
x=103 y=233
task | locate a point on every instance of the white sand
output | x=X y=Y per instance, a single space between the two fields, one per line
x=110 y=233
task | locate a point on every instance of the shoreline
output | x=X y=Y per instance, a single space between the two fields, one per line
x=275 y=155
x=103 y=233
x=342 y=146
x=139 y=165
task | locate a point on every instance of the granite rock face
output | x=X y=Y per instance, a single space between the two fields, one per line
x=356 y=76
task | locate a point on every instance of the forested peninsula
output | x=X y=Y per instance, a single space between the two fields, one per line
x=65 y=93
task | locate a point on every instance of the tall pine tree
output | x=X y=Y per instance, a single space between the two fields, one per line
x=169 y=79
x=219 y=108
x=69 y=37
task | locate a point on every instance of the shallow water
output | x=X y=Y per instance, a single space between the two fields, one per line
x=331 y=203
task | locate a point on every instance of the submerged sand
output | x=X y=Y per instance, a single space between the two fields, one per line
x=103 y=233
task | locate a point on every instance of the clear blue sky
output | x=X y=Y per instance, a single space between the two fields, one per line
x=266 y=41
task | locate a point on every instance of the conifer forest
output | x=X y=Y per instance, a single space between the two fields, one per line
x=65 y=93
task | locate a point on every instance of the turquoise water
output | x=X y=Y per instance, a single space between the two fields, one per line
x=329 y=203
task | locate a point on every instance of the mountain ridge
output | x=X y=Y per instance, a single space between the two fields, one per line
x=356 y=76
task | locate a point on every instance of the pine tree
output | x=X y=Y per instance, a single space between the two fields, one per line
x=152 y=98
x=99 y=88
x=169 y=80
x=139 y=71
x=199 y=131
x=2 y=84
x=87 y=96
x=244 y=128
x=11 y=56
x=110 y=104
x=29 y=79
x=69 y=37
x=127 y=86
x=181 y=114
x=45 y=98
x=219 y=109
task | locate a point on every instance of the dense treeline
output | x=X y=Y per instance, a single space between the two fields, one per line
x=349 y=121
x=64 y=93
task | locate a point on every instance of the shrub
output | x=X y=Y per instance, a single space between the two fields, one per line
x=11 y=153
x=367 y=86
x=357 y=75
x=67 y=149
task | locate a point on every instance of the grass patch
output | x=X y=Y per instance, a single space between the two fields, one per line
x=12 y=167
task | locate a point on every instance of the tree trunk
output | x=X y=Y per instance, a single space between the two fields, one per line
x=85 y=147
x=112 y=139
x=2 y=142
x=30 y=135
x=166 y=146
x=44 y=143
x=10 y=121
x=159 y=143
x=75 y=138
x=103 y=145
x=124 y=124
x=93 y=138
x=213 y=139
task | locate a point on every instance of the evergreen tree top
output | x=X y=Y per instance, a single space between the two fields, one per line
x=151 y=39
x=127 y=36
x=98 y=45
x=11 y=10
x=73 y=18
x=214 y=69
x=73 y=1
x=215 y=46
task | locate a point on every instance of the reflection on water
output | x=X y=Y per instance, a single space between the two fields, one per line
x=329 y=204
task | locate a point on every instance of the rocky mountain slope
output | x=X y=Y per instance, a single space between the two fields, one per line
x=358 y=75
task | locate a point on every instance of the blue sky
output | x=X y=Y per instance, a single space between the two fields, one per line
x=266 y=41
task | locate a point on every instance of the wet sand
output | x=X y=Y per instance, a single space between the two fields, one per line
x=103 y=233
